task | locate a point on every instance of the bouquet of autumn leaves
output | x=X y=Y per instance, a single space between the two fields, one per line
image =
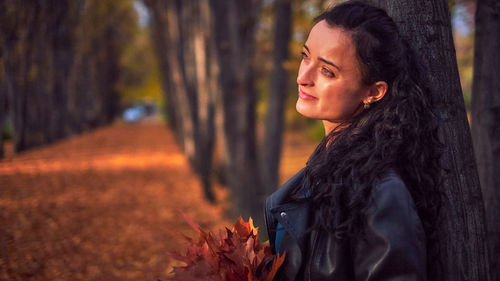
x=234 y=255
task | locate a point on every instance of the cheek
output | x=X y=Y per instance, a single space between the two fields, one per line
x=334 y=94
x=339 y=100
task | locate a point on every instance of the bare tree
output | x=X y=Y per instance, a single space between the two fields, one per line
x=485 y=118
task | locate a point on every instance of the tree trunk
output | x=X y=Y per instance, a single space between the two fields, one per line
x=60 y=78
x=166 y=13
x=222 y=160
x=3 y=93
x=181 y=90
x=485 y=119
x=161 y=42
x=61 y=25
x=182 y=49
x=273 y=138
x=460 y=252
x=20 y=56
x=234 y=32
x=206 y=96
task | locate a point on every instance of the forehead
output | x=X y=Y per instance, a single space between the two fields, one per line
x=331 y=43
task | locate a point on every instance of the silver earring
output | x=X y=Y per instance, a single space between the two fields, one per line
x=366 y=105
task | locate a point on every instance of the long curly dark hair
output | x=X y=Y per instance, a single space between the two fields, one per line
x=398 y=132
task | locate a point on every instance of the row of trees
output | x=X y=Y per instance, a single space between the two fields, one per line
x=207 y=50
x=60 y=65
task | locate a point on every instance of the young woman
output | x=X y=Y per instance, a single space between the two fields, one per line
x=363 y=207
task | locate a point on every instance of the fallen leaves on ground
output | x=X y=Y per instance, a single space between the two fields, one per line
x=104 y=205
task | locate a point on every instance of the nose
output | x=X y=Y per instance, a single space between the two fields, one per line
x=304 y=77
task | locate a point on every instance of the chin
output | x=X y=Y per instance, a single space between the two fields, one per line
x=304 y=109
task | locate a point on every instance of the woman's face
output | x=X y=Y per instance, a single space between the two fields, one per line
x=329 y=78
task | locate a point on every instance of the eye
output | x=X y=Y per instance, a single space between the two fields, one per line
x=325 y=71
x=304 y=55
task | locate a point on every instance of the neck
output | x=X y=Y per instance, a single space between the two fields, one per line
x=332 y=126
x=336 y=125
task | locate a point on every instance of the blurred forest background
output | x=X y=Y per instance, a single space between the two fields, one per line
x=117 y=114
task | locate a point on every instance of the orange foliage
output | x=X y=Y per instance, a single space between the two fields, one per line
x=233 y=255
x=105 y=205
x=101 y=206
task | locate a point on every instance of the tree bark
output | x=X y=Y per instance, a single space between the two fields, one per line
x=20 y=59
x=166 y=13
x=161 y=41
x=206 y=96
x=202 y=91
x=3 y=93
x=33 y=53
x=273 y=138
x=485 y=119
x=61 y=25
x=60 y=79
x=181 y=90
x=234 y=32
x=460 y=252
x=182 y=49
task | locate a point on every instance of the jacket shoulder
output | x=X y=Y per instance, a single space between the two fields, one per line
x=394 y=246
x=391 y=191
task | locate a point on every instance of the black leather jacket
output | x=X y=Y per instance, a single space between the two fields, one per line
x=394 y=247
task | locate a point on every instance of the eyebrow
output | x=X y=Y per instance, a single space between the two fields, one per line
x=323 y=60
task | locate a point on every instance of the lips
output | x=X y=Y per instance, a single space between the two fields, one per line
x=305 y=96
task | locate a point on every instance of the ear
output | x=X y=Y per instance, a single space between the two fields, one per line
x=376 y=92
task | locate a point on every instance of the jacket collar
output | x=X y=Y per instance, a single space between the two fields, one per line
x=293 y=216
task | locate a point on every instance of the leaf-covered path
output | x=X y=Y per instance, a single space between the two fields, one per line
x=106 y=205
x=101 y=206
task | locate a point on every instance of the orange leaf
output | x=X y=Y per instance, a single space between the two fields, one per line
x=277 y=262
